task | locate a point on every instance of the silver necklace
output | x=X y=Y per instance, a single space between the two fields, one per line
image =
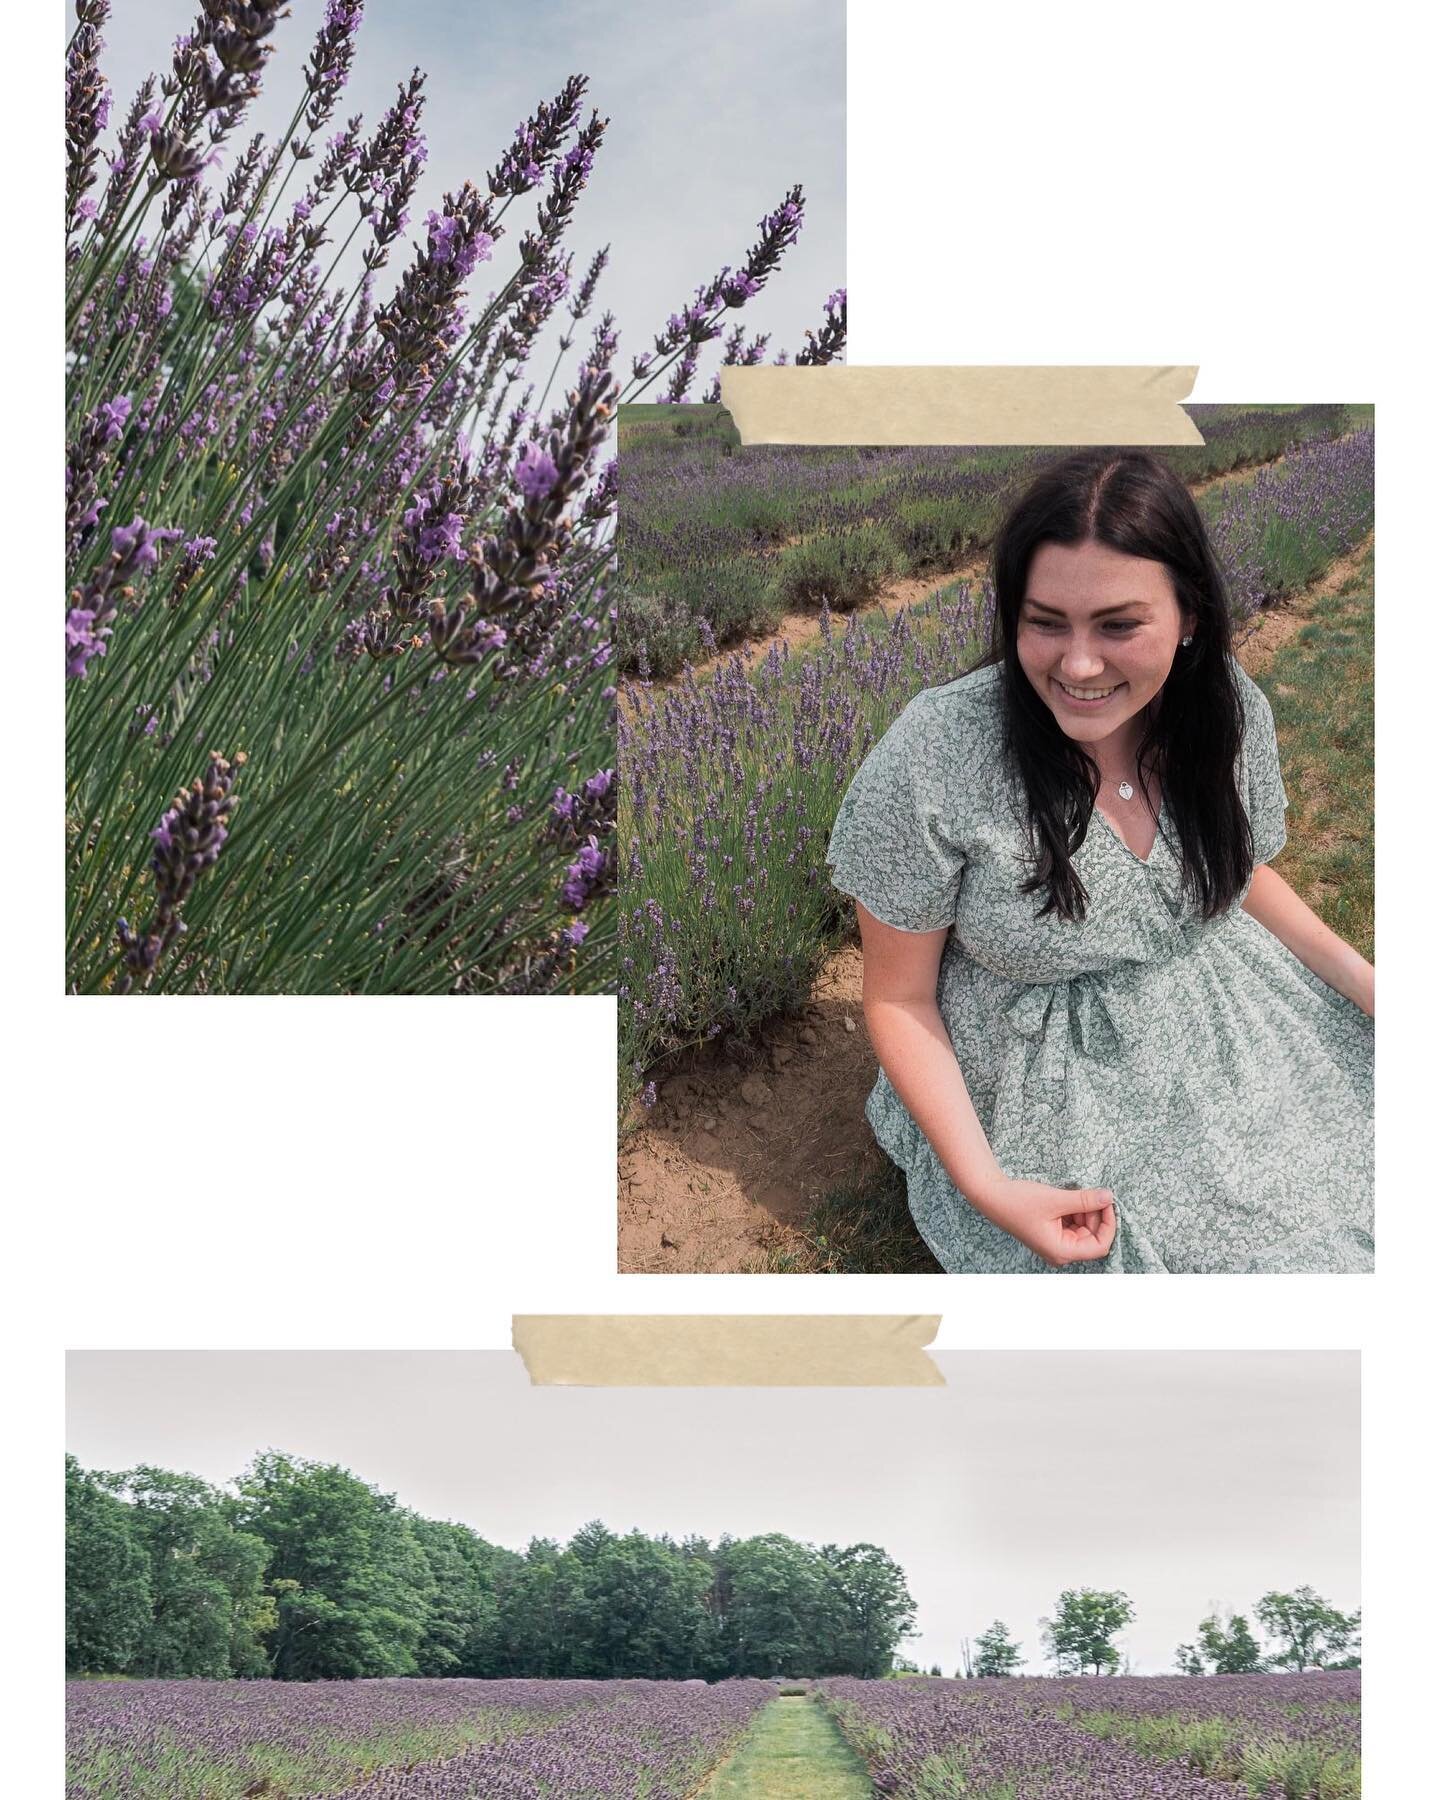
x=1124 y=790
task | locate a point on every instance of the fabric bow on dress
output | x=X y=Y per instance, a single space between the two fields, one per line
x=1064 y=1017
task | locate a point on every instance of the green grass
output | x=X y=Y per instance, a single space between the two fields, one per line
x=1321 y=686
x=793 y=1751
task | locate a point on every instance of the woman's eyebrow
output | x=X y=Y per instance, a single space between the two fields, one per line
x=1101 y=612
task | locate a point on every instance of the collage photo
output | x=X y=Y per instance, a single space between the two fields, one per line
x=899 y=807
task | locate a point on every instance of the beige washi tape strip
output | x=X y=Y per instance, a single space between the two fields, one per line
x=1125 y=405
x=734 y=1350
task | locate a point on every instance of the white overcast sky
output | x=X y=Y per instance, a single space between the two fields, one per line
x=715 y=111
x=1185 y=1478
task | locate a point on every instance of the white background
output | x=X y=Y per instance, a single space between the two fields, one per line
x=1230 y=184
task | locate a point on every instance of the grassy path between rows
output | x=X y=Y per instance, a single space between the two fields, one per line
x=793 y=1751
x=1321 y=685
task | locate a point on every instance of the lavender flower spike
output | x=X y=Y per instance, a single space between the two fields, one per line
x=329 y=66
x=188 y=839
x=87 y=109
x=826 y=344
x=134 y=548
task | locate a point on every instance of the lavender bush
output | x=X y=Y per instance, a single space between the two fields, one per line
x=1281 y=1737
x=401 y=1739
x=321 y=516
x=730 y=785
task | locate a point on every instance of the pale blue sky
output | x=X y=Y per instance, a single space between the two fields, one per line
x=715 y=111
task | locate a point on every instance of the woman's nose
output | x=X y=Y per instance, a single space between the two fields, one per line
x=1079 y=661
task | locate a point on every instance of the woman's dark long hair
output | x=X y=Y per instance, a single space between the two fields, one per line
x=1136 y=504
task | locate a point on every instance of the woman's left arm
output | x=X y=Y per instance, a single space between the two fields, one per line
x=1280 y=910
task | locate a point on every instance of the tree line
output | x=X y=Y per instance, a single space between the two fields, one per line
x=1309 y=1633
x=306 y=1572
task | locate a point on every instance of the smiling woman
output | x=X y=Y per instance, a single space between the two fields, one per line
x=1127 y=1050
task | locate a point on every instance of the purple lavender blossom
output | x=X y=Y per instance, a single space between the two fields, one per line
x=535 y=473
x=82 y=639
x=330 y=60
x=114 y=413
x=537 y=141
x=134 y=549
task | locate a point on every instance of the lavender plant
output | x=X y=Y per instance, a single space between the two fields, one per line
x=730 y=784
x=357 y=546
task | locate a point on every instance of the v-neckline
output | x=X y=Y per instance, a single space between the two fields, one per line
x=1114 y=830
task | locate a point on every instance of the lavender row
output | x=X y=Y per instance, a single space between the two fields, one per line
x=640 y=1741
x=716 y=544
x=730 y=785
x=401 y=1739
x=1282 y=1737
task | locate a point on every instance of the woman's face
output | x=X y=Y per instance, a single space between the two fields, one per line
x=1098 y=632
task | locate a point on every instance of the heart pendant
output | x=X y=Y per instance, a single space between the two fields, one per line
x=1126 y=791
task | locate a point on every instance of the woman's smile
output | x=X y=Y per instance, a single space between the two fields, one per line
x=1087 y=699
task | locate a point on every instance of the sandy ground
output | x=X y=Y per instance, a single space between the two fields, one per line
x=745 y=1139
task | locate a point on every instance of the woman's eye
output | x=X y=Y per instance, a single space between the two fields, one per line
x=1116 y=627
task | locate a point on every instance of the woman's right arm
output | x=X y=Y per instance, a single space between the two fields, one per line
x=1062 y=1225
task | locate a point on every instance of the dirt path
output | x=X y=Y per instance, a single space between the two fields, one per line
x=793 y=1751
x=744 y=1140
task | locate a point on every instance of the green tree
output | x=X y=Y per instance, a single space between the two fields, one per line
x=995 y=1653
x=647 y=1607
x=1224 y=1649
x=463 y=1617
x=350 y=1582
x=107 y=1578
x=546 y=1622
x=776 y=1589
x=1313 y=1634
x=1078 y=1637
x=870 y=1610
x=208 y=1605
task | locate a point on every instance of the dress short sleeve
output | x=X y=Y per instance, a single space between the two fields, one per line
x=1264 y=789
x=895 y=846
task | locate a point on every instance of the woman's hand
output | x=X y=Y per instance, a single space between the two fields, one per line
x=1062 y=1225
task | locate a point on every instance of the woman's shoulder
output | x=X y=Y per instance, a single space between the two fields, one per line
x=968 y=710
x=1251 y=693
x=1252 y=698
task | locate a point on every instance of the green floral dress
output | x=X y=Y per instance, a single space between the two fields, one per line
x=1193 y=1067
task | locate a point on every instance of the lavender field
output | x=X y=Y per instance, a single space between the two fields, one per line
x=730 y=782
x=717 y=545
x=1280 y=1737
x=402 y=1740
